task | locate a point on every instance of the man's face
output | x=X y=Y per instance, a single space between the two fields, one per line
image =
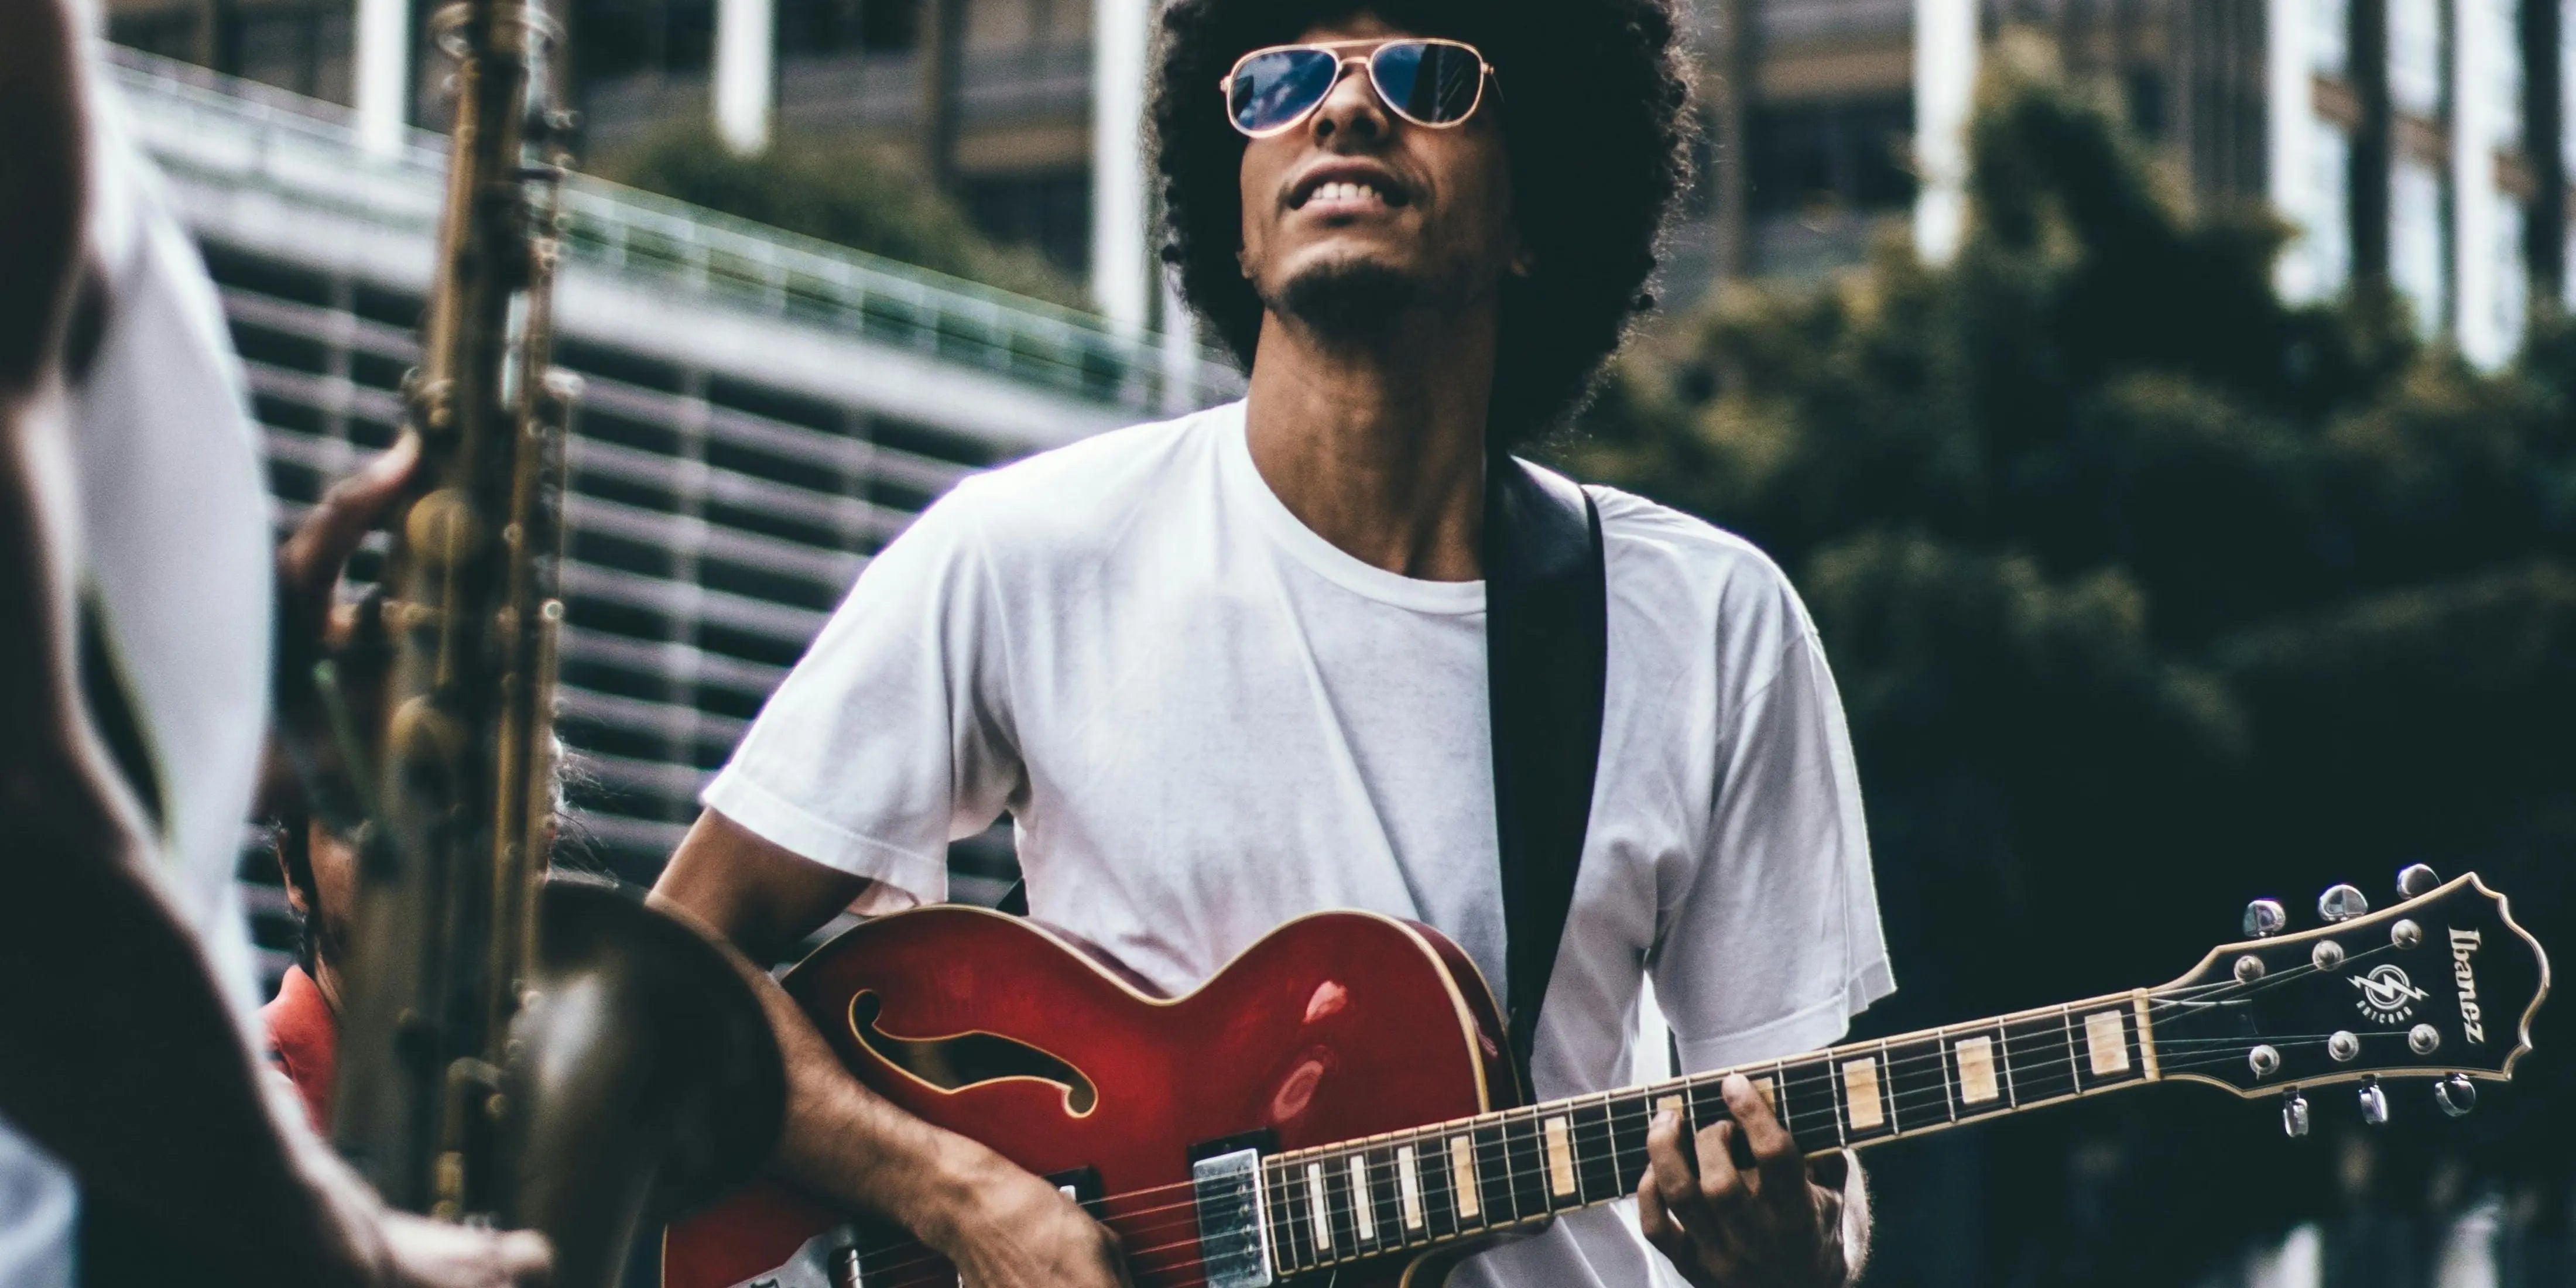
x=1356 y=194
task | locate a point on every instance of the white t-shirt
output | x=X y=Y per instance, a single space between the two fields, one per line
x=1205 y=719
x=175 y=556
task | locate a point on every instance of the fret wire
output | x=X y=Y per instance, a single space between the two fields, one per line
x=1292 y=1203
x=2066 y=1018
x=1282 y=1255
x=1833 y=1087
x=1386 y=1201
x=2003 y=1044
x=1941 y=1051
x=1516 y=1141
x=1525 y=1147
x=1440 y=1203
x=1338 y=1209
x=1887 y=1088
x=1593 y=1141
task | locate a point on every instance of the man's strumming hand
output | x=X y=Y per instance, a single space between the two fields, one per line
x=1006 y=1228
x=1727 y=1226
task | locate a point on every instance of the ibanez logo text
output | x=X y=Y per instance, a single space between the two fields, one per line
x=2463 y=944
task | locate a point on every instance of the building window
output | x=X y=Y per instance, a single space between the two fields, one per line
x=1050 y=211
x=613 y=38
x=1846 y=155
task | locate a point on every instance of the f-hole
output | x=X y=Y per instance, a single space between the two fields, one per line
x=969 y=1059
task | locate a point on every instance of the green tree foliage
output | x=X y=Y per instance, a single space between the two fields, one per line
x=2148 y=594
x=840 y=189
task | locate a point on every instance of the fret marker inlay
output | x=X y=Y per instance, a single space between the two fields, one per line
x=2108 y=1041
x=1408 y=1182
x=1463 y=1180
x=1361 y=1207
x=1860 y=1091
x=1560 y=1159
x=1976 y=1070
x=1323 y=1211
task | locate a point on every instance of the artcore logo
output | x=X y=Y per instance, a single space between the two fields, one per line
x=2463 y=944
x=2387 y=995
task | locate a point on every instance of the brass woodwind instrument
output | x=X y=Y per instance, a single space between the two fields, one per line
x=517 y=1050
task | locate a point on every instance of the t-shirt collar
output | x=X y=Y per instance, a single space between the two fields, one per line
x=1244 y=485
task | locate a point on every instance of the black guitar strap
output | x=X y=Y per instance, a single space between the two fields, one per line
x=1547 y=636
x=1546 y=649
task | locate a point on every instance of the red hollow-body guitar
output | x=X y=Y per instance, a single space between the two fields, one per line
x=1336 y=1103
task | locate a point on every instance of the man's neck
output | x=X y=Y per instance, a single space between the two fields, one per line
x=1379 y=448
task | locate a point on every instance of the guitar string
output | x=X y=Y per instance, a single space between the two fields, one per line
x=2053 y=1018
x=2049 y=1081
x=1190 y=1240
x=2044 y=1081
x=1507 y=1180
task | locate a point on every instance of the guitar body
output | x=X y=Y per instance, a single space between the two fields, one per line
x=1335 y=1026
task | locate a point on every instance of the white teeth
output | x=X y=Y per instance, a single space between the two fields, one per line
x=1343 y=191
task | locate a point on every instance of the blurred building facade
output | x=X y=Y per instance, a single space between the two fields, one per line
x=760 y=414
x=2419 y=143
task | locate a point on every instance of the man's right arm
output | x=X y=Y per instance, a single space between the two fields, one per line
x=1002 y=1226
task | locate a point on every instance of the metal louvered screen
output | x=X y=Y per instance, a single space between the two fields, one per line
x=713 y=526
x=761 y=414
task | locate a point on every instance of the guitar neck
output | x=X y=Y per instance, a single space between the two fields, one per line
x=1457 y=1180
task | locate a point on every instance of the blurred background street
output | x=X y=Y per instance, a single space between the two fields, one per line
x=2164 y=406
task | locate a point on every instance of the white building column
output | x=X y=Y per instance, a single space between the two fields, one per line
x=380 y=75
x=746 y=73
x=1122 y=275
x=2307 y=158
x=1945 y=88
x=2479 y=60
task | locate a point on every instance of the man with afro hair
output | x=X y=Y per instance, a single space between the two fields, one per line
x=1230 y=669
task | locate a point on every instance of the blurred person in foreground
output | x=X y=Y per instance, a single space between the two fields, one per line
x=137 y=593
x=1231 y=669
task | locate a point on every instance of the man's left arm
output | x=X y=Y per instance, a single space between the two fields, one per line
x=1770 y=947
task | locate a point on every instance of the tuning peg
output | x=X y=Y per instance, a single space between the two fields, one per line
x=2341 y=903
x=2456 y=1095
x=2374 y=1103
x=2264 y=918
x=2415 y=881
x=2294 y=1115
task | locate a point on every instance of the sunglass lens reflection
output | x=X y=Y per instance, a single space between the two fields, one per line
x=1273 y=87
x=1431 y=83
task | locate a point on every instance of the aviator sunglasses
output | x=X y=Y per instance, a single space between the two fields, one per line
x=1435 y=83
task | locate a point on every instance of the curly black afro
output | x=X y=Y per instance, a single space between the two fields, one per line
x=1597 y=130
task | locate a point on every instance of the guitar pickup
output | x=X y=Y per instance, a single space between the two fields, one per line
x=1234 y=1231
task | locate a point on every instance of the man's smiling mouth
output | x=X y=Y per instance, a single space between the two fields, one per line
x=1348 y=190
x=1339 y=198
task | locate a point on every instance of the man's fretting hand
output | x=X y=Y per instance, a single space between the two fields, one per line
x=1771 y=1226
x=1014 y=1230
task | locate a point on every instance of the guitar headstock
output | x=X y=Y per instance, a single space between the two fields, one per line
x=2442 y=985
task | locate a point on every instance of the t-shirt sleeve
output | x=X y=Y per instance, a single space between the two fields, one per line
x=1774 y=945
x=892 y=736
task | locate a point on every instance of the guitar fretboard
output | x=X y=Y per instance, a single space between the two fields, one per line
x=1410 y=1190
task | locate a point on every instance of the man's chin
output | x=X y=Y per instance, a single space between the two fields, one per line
x=1348 y=300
